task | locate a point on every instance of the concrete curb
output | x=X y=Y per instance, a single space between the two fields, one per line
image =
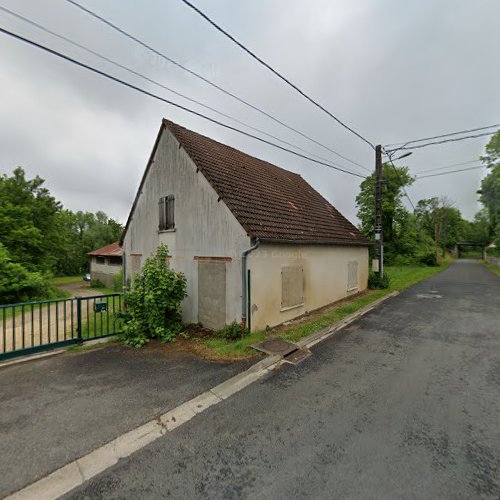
x=317 y=337
x=55 y=352
x=32 y=357
x=76 y=473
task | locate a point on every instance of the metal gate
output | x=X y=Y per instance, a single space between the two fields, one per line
x=29 y=327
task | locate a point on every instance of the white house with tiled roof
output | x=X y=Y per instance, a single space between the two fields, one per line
x=256 y=242
x=105 y=263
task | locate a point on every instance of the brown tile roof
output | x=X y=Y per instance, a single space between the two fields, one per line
x=268 y=201
x=111 y=250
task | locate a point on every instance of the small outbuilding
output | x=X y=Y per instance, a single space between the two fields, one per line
x=255 y=241
x=105 y=263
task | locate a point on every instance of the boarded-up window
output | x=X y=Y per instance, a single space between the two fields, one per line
x=292 y=286
x=352 y=275
x=135 y=264
x=166 y=208
x=212 y=294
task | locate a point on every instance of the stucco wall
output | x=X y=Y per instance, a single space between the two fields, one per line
x=325 y=278
x=204 y=226
x=104 y=272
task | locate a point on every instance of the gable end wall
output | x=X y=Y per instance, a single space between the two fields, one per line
x=204 y=226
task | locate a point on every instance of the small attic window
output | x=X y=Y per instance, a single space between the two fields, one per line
x=166 y=208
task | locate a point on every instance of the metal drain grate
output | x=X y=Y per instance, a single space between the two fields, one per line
x=275 y=346
x=297 y=356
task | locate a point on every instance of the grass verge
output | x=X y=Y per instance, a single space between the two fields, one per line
x=492 y=267
x=402 y=277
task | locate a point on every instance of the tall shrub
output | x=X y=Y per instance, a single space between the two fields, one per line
x=153 y=305
x=17 y=284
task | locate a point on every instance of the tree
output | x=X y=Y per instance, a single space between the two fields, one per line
x=478 y=231
x=41 y=235
x=17 y=284
x=441 y=222
x=27 y=221
x=490 y=187
x=396 y=220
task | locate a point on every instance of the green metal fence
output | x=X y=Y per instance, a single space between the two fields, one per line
x=29 y=327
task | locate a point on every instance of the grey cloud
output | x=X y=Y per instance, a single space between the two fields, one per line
x=394 y=70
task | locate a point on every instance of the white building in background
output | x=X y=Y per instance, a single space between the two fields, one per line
x=105 y=263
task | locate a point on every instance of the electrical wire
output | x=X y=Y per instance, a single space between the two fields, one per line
x=446 y=173
x=275 y=72
x=167 y=101
x=447 y=166
x=207 y=81
x=401 y=184
x=418 y=146
x=154 y=82
x=405 y=143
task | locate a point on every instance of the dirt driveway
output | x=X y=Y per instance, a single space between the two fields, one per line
x=33 y=326
x=79 y=289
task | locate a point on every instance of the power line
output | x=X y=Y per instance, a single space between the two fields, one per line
x=207 y=81
x=452 y=172
x=447 y=166
x=401 y=184
x=275 y=72
x=405 y=143
x=167 y=101
x=418 y=146
x=140 y=75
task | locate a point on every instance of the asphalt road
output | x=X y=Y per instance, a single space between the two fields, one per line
x=404 y=403
x=56 y=409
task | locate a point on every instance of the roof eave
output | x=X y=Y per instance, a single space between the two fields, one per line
x=344 y=243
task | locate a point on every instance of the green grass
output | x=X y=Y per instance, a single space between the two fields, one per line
x=493 y=268
x=66 y=280
x=402 y=277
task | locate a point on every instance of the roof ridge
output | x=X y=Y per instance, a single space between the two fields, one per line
x=267 y=201
x=168 y=124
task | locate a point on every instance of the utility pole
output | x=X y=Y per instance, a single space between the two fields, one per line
x=379 y=236
x=437 y=233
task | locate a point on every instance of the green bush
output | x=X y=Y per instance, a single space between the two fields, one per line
x=153 y=304
x=402 y=260
x=117 y=282
x=429 y=259
x=231 y=331
x=375 y=282
x=17 y=284
x=97 y=284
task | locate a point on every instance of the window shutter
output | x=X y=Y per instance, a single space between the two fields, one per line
x=170 y=212
x=161 y=209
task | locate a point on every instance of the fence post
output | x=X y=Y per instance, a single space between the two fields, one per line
x=79 y=319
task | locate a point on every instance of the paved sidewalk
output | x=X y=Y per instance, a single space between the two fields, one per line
x=57 y=409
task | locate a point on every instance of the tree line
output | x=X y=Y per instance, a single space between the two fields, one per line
x=40 y=239
x=435 y=226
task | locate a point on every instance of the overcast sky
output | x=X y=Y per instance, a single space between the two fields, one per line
x=392 y=70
